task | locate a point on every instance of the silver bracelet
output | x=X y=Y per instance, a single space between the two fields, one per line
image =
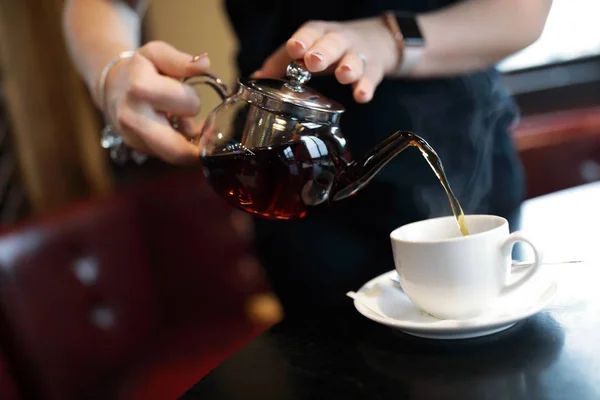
x=102 y=81
x=119 y=152
x=110 y=138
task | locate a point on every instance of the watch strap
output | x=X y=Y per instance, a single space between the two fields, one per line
x=410 y=45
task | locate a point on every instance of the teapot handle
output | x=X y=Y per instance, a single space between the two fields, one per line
x=203 y=79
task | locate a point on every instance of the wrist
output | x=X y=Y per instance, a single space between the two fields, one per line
x=100 y=85
x=113 y=80
x=392 y=53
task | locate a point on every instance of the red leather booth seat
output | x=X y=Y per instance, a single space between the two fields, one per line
x=135 y=296
x=8 y=388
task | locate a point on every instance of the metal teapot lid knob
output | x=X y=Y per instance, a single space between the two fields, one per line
x=297 y=74
x=291 y=96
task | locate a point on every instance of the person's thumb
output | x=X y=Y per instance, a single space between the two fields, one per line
x=172 y=62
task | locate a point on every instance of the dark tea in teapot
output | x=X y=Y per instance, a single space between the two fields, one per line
x=274 y=183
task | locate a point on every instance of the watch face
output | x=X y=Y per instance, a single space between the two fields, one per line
x=410 y=31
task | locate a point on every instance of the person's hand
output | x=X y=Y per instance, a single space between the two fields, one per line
x=141 y=91
x=359 y=53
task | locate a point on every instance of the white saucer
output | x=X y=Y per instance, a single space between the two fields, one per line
x=383 y=301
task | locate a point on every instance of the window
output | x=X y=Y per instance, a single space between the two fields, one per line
x=572 y=32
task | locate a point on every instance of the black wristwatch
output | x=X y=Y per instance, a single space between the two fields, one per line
x=408 y=36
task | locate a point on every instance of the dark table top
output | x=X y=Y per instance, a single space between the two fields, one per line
x=552 y=355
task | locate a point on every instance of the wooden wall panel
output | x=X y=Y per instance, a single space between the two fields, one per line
x=560 y=150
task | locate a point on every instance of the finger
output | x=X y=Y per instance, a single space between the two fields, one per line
x=350 y=68
x=208 y=141
x=190 y=127
x=172 y=62
x=364 y=88
x=132 y=140
x=304 y=38
x=275 y=65
x=326 y=51
x=117 y=115
x=165 y=94
x=159 y=136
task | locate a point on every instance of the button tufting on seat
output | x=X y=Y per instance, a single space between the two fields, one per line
x=103 y=317
x=86 y=269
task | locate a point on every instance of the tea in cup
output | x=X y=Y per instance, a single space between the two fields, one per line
x=452 y=276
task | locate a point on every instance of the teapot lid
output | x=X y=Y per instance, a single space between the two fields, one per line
x=291 y=96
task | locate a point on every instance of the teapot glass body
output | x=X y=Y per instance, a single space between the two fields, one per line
x=274 y=147
x=269 y=164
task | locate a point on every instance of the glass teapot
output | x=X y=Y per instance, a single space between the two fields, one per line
x=274 y=148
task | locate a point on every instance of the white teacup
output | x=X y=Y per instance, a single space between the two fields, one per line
x=451 y=276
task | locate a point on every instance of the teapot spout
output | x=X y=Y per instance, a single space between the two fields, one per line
x=359 y=173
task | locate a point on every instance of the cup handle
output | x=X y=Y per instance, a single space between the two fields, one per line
x=506 y=250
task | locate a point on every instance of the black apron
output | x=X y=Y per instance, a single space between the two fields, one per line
x=312 y=263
